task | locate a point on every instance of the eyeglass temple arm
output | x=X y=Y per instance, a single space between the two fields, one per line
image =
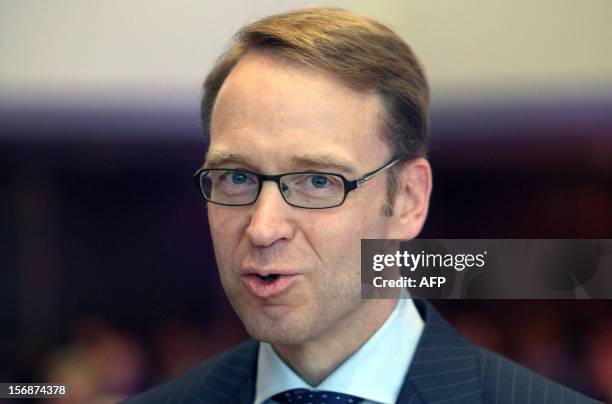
x=368 y=176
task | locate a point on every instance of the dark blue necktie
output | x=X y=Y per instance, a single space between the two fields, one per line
x=302 y=396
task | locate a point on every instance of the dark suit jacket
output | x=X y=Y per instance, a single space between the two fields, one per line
x=445 y=369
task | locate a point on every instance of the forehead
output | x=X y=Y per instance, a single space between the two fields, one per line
x=272 y=107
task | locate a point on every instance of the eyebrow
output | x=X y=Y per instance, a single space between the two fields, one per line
x=324 y=162
x=311 y=161
x=219 y=158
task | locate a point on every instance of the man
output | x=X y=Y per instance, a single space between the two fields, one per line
x=317 y=130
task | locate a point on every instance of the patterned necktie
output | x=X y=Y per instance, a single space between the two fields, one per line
x=302 y=396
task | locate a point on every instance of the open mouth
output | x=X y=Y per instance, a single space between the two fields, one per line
x=268 y=278
x=269 y=285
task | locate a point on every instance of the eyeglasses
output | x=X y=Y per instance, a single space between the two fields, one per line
x=308 y=189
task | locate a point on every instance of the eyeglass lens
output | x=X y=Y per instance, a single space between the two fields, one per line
x=309 y=190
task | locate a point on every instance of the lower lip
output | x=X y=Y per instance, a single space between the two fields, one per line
x=266 y=289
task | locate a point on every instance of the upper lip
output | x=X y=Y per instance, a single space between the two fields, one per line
x=267 y=271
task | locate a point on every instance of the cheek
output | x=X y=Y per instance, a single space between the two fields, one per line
x=226 y=229
x=336 y=240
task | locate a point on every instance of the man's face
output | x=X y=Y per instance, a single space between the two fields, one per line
x=273 y=116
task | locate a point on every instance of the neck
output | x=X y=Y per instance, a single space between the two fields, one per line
x=314 y=360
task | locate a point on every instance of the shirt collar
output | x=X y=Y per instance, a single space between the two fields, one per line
x=375 y=372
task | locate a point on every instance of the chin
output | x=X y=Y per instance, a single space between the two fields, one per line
x=276 y=331
x=274 y=337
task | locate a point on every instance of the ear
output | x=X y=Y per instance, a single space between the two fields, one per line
x=411 y=201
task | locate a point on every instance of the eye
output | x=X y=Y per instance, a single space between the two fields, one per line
x=236 y=179
x=239 y=178
x=319 y=181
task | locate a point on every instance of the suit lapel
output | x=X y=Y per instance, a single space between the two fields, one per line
x=246 y=394
x=445 y=366
x=231 y=379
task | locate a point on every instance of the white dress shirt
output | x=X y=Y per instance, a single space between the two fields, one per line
x=375 y=372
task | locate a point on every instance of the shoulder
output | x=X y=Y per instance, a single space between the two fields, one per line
x=223 y=373
x=503 y=380
x=448 y=362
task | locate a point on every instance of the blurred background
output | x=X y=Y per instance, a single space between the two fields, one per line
x=107 y=276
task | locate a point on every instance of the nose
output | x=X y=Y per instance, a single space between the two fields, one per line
x=269 y=222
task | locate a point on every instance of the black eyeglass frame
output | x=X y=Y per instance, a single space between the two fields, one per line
x=349 y=185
